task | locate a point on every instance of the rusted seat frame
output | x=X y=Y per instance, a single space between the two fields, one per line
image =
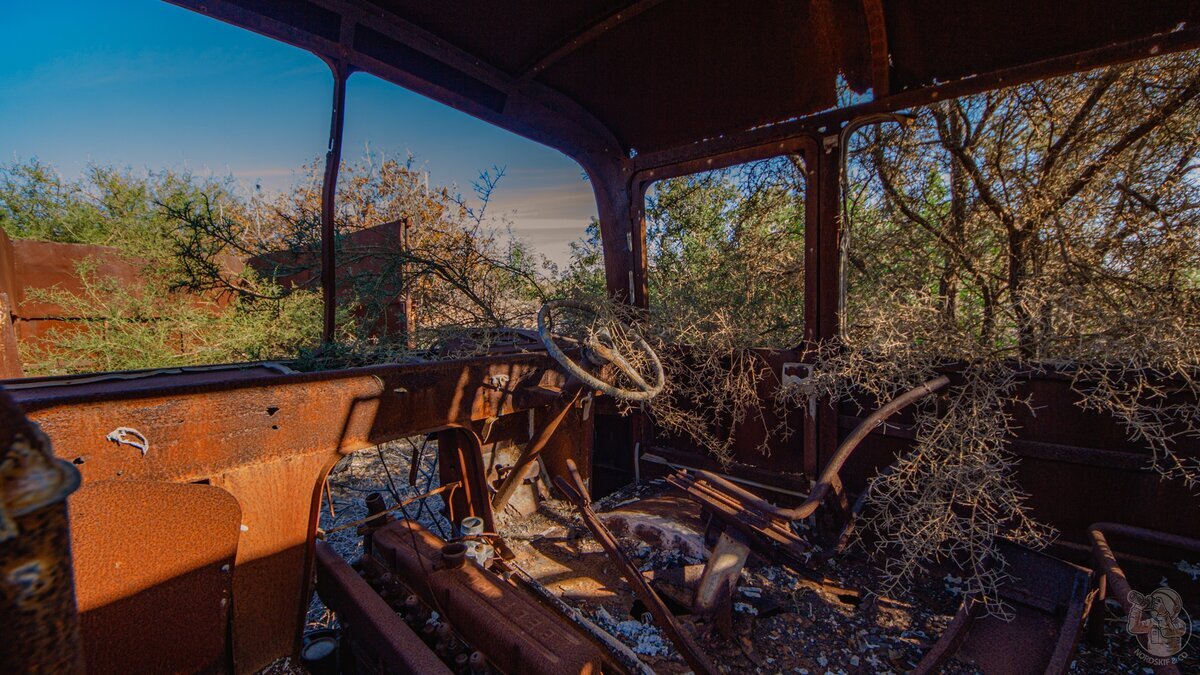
x=1110 y=579
x=746 y=511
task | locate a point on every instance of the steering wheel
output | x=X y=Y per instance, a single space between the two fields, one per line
x=600 y=348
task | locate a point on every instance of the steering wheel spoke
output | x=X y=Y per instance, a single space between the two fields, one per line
x=602 y=347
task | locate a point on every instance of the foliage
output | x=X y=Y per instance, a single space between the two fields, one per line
x=146 y=325
x=726 y=253
x=953 y=494
x=226 y=275
x=106 y=206
x=1053 y=226
x=726 y=275
x=452 y=259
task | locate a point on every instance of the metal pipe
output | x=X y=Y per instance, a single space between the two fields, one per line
x=659 y=459
x=570 y=395
x=1114 y=577
x=844 y=182
x=830 y=474
x=333 y=161
x=577 y=495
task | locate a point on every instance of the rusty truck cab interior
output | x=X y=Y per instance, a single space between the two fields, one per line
x=194 y=544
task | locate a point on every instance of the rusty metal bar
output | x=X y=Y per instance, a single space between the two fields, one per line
x=512 y=629
x=10 y=359
x=37 y=589
x=577 y=495
x=375 y=624
x=595 y=30
x=830 y=474
x=623 y=654
x=1113 y=580
x=567 y=400
x=333 y=161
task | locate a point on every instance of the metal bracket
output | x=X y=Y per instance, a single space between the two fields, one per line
x=795 y=374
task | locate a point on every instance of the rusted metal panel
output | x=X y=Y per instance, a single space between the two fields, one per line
x=199 y=430
x=561 y=410
x=577 y=40
x=10 y=359
x=45 y=264
x=460 y=459
x=37 y=597
x=154 y=571
x=515 y=633
x=8 y=283
x=747 y=52
x=1077 y=466
x=269 y=440
x=27 y=265
x=1049 y=599
x=374 y=624
x=272 y=577
x=574 y=440
x=333 y=162
x=10 y=363
x=115 y=382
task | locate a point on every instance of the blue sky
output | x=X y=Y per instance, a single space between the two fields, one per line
x=147 y=85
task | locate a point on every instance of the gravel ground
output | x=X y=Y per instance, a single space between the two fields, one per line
x=383 y=469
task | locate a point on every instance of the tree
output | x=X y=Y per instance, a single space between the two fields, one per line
x=1003 y=203
x=455 y=260
x=198 y=301
x=1049 y=226
x=105 y=206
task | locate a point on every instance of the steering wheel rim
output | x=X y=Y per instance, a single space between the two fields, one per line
x=577 y=371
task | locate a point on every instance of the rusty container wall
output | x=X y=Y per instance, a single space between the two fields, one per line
x=38 y=616
x=1078 y=466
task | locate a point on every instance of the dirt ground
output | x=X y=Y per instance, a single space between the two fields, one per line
x=783 y=622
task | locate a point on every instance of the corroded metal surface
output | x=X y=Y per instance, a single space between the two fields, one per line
x=10 y=359
x=536 y=445
x=576 y=492
x=515 y=632
x=202 y=429
x=154 y=572
x=37 y=592
x=269 y=440
x=390 y=641
x=1111 y=580
x=1048 y=599
x=37 y=603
